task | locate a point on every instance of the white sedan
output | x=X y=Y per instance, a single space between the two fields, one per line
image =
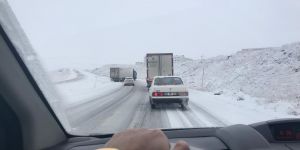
x=128 y=81
x=168 y=89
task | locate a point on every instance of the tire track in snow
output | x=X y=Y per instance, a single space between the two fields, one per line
x=151 y=118
x=141 y=114
x=95 y=99
x=81 y=115
x=183 y=118
x=165 y=119
x=146 y=117
x=208 y=118
x=119 y=116
x=193 y=118
x=165 y=116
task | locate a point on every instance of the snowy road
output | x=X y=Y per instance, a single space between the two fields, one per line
x=128 y=107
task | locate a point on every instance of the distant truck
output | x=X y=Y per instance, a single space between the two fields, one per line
x=118 y=74
x=158 y=64
x=134 y=75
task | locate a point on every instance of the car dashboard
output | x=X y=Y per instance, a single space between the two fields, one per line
x=268 y=135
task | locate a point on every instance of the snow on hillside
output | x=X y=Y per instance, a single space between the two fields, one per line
x=64 y=75
x=265 y=72
x=270 y=73
x=81 y=86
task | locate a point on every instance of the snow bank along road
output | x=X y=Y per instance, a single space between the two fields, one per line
x=129 y=107
x=108 y=107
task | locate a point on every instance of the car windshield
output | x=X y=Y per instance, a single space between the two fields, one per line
x=168 y=81
x=239 y=60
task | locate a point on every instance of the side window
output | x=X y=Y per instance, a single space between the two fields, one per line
x=178 y=81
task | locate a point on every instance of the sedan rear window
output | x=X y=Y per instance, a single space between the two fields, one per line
x=168 y=81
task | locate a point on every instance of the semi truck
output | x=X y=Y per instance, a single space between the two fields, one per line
x=118 y=74
x=158 y=64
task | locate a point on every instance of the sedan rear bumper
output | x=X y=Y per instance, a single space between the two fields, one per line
x=177 y=99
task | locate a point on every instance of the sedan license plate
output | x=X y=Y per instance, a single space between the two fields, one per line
x=170 y=94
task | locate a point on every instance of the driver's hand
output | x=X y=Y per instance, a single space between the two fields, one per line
x=143 y=139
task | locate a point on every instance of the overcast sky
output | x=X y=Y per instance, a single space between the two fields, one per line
x=90 y=33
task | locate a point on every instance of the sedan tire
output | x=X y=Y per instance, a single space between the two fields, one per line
x=184 y=104
x=152 y=103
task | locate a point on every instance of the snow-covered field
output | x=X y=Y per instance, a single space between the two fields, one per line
x=232 y=111
x=207 y=109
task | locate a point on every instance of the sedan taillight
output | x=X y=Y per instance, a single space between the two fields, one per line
x=157 y=94
x=183 y=93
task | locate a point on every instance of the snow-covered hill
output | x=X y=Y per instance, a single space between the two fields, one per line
x=64 y=75
x=272 y=73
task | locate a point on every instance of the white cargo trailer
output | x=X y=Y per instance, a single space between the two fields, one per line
x=118 y=74
x=158 y=64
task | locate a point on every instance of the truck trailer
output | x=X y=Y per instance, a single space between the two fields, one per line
x=158 y=64
x=118 y=74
